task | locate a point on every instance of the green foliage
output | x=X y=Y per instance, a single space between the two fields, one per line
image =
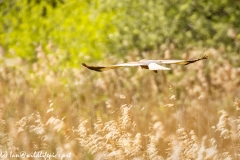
x=147 y=24
x=92 y=29
x=78 y=27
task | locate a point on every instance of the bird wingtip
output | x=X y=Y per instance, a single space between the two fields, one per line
x=205 y=57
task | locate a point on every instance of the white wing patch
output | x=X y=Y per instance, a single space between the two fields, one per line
x=155 y=66
x=129 y=64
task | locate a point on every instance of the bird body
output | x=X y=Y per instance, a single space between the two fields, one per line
x=153 y=65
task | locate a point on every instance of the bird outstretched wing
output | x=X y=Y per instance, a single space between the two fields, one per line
x=183 y=62
x=105 y=68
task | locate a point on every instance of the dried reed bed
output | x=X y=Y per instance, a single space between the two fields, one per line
x=191 y=112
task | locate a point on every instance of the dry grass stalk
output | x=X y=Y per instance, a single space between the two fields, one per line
x=46 y=106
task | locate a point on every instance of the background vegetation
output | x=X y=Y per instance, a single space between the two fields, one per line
x=49 y=103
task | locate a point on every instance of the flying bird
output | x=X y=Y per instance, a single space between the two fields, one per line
x=153 y=65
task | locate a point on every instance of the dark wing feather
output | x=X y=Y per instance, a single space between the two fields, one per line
x=99 y=68
x=195 y=60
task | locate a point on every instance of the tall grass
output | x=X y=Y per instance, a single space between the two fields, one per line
x=191 y=112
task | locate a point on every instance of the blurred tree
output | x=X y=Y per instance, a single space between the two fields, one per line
x=147 y=24
x=79 y=28
x=95 y=28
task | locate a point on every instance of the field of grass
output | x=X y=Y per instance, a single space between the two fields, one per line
x=190 y=112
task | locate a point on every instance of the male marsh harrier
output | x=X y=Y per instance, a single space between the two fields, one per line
x=153 y=65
